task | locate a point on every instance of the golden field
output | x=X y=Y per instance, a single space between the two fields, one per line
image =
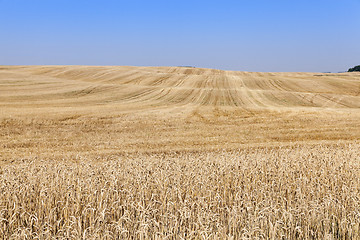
x=178 y=153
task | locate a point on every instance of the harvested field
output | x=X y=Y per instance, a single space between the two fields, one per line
x=176 y=152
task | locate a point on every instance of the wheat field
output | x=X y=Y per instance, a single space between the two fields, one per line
x=110 y=152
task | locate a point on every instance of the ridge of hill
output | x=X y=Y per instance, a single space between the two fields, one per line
x=159 y=86
x=67 y=111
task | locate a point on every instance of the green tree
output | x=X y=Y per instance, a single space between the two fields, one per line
x=354 y=69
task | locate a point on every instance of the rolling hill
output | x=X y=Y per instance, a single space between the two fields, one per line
x=177 y=86
x=93 y=110
x=176 y=152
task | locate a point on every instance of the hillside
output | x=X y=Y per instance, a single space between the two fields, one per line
x=170 y=153
x=71 y=110
x=163 y=86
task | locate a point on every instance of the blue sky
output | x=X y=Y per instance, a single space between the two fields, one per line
x=249 y=35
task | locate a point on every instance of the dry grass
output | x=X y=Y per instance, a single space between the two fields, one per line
x=286 y=193
x=156 y=153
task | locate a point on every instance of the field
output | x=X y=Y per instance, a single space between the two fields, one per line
x=178 y=153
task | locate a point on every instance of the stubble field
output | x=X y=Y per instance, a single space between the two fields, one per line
x=178 y=153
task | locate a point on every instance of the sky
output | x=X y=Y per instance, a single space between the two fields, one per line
x=248 y=35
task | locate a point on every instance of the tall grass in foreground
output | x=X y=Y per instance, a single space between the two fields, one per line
x=289 y=193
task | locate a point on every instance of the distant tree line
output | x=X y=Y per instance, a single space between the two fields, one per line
x=354 y=69
x=187 y=66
